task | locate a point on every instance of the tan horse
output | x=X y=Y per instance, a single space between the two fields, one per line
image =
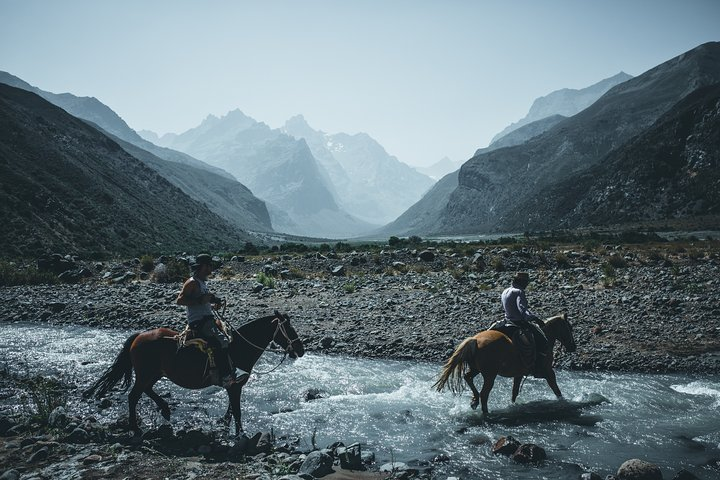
x=492 y=353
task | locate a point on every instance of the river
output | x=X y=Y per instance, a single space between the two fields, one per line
x=389 y=406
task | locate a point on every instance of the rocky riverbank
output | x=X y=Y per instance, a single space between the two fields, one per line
x=644 y=309
x=649 y=308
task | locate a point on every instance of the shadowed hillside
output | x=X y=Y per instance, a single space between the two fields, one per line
x=67 y=187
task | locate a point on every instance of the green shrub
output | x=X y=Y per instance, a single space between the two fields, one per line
x=350 y=287
x=42 y=396
x=147 y=263
x=266 y=280
x=608 y=274
x=12 y=274
x=174 y=270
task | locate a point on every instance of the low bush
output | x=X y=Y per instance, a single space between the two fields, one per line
x=12 y=274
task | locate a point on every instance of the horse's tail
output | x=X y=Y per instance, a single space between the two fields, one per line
x=122 y=367
x=456 y=366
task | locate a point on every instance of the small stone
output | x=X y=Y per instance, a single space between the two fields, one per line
x=90 y=459
x=11 y=474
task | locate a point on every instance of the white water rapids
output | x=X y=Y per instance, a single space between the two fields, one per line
x=389 y=406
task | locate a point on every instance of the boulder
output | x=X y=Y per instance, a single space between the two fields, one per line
x=338 y=271
x=39 y=456
x=257 y=287
x=317 y=464
x=58 y=418
x=350 y=457
x=78 y=435
x=590 y=476
x=5 y=424
x=11 y=474
x=506 y=446
x=636 y=469
x=426 y=256
x=529 y=453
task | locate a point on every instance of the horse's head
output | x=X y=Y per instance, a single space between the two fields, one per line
x=286 y=336
x=562 y=330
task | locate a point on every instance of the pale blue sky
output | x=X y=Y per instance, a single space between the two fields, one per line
x=426 y=79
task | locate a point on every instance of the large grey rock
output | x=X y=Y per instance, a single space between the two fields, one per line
x=636 y=469
x=529 y=453
x=58 y=418
x=11 y=474
x=317 y=464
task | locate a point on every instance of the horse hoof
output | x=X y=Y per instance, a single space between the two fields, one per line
x=166 y=414
x=474 y=404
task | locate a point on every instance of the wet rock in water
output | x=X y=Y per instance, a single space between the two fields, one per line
x=264 y=443
x=350 y=457
x=312 y=394
x=39 y=456
x=529 y=453
x=636 y=469
x=327 y=342
x=590 y=476
x=58 y=418
x=394 y=467
x=684 y=475
x=506 y=446
x=11 y=474
x=317 y=464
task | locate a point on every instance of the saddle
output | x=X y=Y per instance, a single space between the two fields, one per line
x=189 y=338
x=523 y=340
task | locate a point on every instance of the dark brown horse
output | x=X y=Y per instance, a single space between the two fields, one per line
x=492 y=353
x=154 y=354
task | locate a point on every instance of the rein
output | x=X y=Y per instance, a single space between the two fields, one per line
x=280 y=327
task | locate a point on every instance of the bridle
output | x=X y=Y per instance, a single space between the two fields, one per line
x=280 y=327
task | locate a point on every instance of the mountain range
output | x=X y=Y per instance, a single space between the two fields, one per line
x=68 y=187
x=318 y=184
x=207 y=184
x=510 y=189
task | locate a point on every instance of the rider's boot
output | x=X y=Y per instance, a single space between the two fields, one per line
x=225 y=370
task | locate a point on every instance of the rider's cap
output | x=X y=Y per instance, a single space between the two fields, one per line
x=202 y=259
x=522 y=277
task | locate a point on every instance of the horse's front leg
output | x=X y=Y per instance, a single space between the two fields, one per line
x=469 y=376
x=161 y=403
x=517 y=381
x=234 y=392
x=552 y=381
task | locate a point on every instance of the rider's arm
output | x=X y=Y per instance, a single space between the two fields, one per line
x=190 y=294
x=522 y=305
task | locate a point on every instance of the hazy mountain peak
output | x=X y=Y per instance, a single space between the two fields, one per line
x=566 y=102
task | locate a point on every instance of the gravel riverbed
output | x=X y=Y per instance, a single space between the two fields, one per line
x=650 y=308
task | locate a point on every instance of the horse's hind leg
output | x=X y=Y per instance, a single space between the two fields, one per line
x=488 y=382
x=469 y=376
x=161 y=403
x=133 y=398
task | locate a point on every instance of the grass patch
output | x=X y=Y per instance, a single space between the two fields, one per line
x=12 y=274
x=350 y=287
x=266 y=280
x=41 y=396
